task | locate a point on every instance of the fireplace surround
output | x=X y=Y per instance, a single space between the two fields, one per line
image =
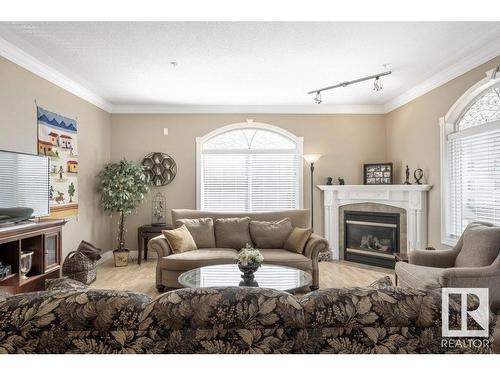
x=410 y=201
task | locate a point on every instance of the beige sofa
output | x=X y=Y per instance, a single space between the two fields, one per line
x=170 y=266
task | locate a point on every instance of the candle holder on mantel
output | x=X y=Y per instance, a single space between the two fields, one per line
x=159 y=210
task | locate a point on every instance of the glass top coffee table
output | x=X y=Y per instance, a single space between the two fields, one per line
x=267 y=276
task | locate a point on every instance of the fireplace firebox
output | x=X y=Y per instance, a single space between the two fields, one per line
x=371 y=237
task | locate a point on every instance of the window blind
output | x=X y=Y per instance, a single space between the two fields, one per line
x=473 y=177
x=250 y=182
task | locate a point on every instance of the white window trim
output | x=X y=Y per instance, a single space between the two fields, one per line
x=249 y=125
x=446 y=127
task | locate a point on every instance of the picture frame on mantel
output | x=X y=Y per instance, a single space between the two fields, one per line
x=378 y=174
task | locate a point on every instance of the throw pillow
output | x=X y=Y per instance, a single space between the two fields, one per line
x=201 y=229
x=233 y=233
x=270 y=234
x=383 y=282
x=179 y=240
x=480 y=247
x=297 y=240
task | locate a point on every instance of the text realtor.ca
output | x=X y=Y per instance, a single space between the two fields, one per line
x=464 y=338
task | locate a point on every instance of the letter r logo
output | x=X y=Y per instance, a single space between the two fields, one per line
x=479 y=314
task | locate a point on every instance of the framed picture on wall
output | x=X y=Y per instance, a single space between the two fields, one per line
x=377 y=174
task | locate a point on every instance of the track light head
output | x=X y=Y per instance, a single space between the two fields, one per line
x=495 y=72
x=318 y=99
x=377 y=84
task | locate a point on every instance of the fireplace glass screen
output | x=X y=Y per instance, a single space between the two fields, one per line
x=371 y=238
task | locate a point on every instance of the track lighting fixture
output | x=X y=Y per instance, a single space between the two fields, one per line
x=494 y=73
x=317 y=99
x=377 y=84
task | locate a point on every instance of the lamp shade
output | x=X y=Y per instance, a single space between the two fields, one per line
x=311 y=158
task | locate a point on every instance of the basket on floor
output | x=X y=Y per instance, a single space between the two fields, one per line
x=78 y=266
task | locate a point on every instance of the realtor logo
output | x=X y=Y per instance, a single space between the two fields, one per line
x=480 y=314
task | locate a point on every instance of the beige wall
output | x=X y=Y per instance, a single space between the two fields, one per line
x=346 y=141
x=18 y=132
x=413 y=137
x=407 y=135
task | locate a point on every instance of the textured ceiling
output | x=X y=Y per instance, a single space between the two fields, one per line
x=247 y=63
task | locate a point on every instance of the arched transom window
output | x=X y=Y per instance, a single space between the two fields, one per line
x=471 y=163
x=249 y=168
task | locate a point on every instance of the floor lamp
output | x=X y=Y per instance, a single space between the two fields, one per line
x=311 y=159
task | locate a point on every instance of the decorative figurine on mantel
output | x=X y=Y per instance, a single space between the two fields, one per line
x=341 y=181
x=407 y=173
x=159 y=210
x=329 y=180
x=418 y=174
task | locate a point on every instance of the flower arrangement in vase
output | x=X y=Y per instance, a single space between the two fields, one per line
x=249 y=261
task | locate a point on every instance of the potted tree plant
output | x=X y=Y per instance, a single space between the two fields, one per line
x=123 y=186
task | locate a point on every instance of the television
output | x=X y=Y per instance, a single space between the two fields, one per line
x=24 y=186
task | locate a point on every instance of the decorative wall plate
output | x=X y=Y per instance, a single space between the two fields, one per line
x=160 y=168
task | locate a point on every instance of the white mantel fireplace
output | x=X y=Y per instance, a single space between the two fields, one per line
x=412 y=199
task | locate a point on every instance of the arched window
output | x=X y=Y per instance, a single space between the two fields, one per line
x=470 y=136
x=249 y=167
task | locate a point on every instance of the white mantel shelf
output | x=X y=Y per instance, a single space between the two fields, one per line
x=371 y=188
x=412 y=198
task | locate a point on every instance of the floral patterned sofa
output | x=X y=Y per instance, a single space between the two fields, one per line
x=69 y=318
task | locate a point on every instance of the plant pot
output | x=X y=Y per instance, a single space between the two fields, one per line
x=248 y=274
x=121 y=257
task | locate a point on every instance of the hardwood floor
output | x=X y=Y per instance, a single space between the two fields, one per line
x=142 y=278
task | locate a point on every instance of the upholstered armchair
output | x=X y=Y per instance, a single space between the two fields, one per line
x=474 y=262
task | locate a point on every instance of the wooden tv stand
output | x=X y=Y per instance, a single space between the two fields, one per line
x=44 y=239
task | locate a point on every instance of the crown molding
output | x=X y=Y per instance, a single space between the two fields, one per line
x=30 y=63
x=279 y=109
x=481 y=56
x=25 y=60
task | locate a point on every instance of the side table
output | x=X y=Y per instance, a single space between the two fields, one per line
x=144 y=234
x=400 y=257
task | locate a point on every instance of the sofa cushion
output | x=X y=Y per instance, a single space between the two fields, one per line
x=233 y=233
x=78 y=312
x=299 y=218
x=481 y=245
x=180 y=240
x=297 y=240
x=230 y=320
x=286 y=258
x=198 y=258
x=350 y=309
x=419 y=277
x=270 y=234
x=201 y=229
